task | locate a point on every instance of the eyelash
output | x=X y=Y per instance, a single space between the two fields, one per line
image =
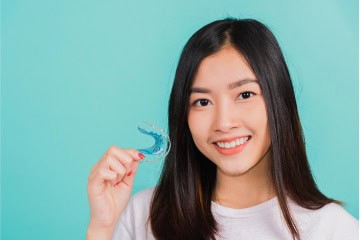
x=198 y=100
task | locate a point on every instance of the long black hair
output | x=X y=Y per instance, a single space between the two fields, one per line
x=181 y=205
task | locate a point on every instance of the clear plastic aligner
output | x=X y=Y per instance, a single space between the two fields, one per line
x=162 y=144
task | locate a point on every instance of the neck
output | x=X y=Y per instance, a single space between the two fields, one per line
x=245 y=190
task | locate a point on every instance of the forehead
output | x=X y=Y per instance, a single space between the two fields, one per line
x=223 y=67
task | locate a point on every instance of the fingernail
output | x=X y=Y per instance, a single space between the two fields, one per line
x=116 y=183
x=129 y=173
x=142 y=156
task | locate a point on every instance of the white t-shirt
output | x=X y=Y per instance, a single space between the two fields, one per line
x=263 y=221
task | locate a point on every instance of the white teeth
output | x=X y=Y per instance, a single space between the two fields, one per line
x=233 y=144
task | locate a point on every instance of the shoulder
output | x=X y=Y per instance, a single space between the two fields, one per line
x=343 y=224
x=339 y=215
x=332 y=220
x=333 y=208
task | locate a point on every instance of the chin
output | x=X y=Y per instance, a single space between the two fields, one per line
x=233 y=169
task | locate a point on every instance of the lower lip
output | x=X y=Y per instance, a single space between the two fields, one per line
x=231 y=151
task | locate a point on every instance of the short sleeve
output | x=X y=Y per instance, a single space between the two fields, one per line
x=347 y=227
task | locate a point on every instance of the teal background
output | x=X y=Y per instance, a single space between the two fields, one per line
x=77 y=77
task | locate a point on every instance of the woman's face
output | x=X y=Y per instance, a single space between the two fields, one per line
x=227 y=115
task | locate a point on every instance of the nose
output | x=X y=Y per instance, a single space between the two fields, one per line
x=226 y=117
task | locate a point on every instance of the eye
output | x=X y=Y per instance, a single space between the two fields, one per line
x=245 y=95
x=201 y=103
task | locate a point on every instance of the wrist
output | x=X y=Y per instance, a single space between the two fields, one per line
x=99 y=233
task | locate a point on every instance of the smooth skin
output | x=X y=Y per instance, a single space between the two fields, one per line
x=226 y=102
x=109 y=188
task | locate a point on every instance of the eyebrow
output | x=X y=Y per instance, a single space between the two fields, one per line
x=230 y=86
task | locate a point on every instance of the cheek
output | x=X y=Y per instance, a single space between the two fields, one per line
x=264 y=132
x=198 y=127
x=258 y=121
x=194 y=123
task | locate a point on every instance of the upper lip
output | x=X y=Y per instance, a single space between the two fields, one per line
x=230 y=139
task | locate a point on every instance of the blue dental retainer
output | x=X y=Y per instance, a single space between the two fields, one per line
x=162 y=144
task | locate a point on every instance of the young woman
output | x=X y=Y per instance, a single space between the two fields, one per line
x=237 y=168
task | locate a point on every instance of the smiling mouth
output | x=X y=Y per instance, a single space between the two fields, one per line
x=232 y=147
x=233 y=144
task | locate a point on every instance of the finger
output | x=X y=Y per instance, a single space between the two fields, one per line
x=124 y=157
x=128 y=180
x=128 y=177
x=105 y=175
x=137 y=156
x=116 y=166
x=111 y=163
